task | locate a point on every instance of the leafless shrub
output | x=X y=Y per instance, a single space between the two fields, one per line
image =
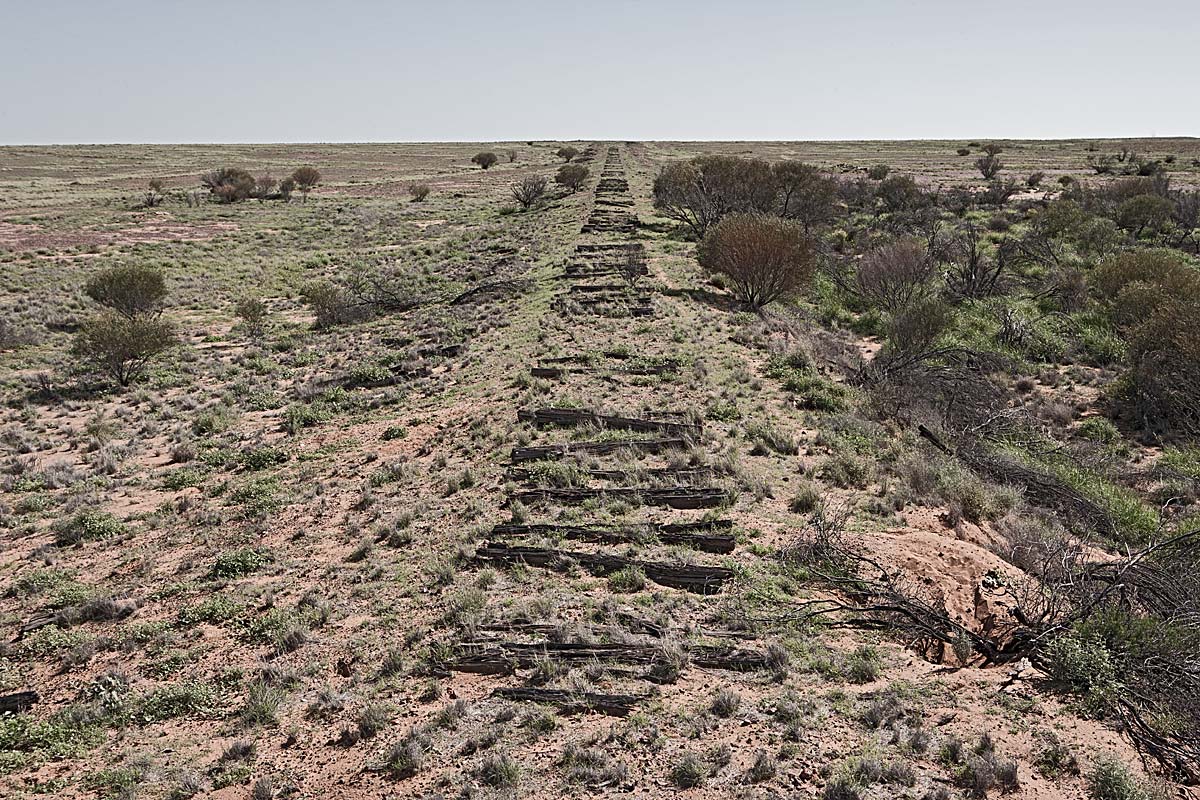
x=264 y=186
x=971 y=270
x=891 y=277
x=529 y=190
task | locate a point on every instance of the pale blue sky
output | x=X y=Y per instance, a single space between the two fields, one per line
x=368 y=70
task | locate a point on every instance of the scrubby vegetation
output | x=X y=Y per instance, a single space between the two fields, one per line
x=869 y=474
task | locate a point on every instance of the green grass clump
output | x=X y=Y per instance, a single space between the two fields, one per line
x=1112 y=780
x=238 y=563
x=628 y=579
x=87 y=526
x=262 y=458
x=299 y=417
x=59 y=585
x=811 y=391
x=53 y=640
x=25 y=740
x=183 y=478
x=186 y=699
x=215 y=610
x=258 y=497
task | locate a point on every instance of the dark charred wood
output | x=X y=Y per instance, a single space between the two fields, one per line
x=678 y=497
x=485 y=657
x=575 y=416
x=17 y=702
x=613 y=705
x=692 y=578
x=696 y=535
x=679 y=474
x=556 y=451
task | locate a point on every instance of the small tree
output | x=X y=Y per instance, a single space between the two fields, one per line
x=131 y=290
x=264 y=186
x=804 y=193
x=229 y=184
x=253 y=313
x=702 y=190
x=419 y=191
x=484 y=159
x=567 y=153
x=306 y=179
x=764 y=257
x=989 y=164
x=529 y=190
x=572 y=176
x=122 y=347
x=1144 y=213
x=154 y=195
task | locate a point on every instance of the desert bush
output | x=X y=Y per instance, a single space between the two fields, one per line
x=252 y=311
x=86 y=526
x=1112 y=780
x=765 y=258
x=264 y=186
x=131 y=290
x=229 y=184
x=500 y=771
x=305 y=180
x=529 y=190
x=572 y=176
x=485 y=159
x=726 y=703
x=878 y=172
x=331 y=304
x=566 y=153
x=121 y=348
x=805 y=194
x=700 y=192
x=899 y=193
x=689 y=771
x=1144 y=213
x=1153 y=300
x=418 y=192
x=286 y=187
x=916 y=328
x=892 y=276
x=1035 y=179
x=154 y=193
x=405 y=758
x=628 y=579
x=989 y=164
